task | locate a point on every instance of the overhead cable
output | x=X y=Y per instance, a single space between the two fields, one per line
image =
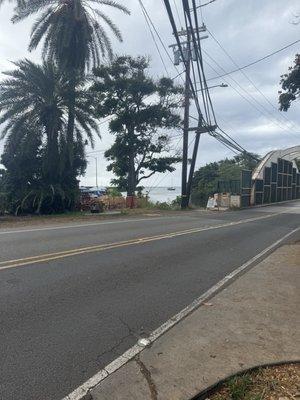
x=256 y=61
x=153 y=38
x=246 y=76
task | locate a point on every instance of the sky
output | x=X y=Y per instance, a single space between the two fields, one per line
x=247 y=109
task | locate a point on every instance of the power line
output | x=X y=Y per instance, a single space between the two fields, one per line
x=180 y=73
x=231 y=145
x=252 y=103
x=197 y=48
x=256 y=61
x=245 y=75
x=154 y=185
x=177 y=12
x=228 y=142
x=153 y=37
x=174 y=28
x=205 y=4
x=201 y=13
x=158 y=35
x=239 y=69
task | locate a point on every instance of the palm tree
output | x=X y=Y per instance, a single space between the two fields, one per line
x=36 y=95
x=73 y=37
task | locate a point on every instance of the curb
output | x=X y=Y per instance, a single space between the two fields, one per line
x=270 y=204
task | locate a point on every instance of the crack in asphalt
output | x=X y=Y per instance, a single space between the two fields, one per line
x=114 y=347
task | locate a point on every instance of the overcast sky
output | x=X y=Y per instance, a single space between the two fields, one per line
x=248 y=30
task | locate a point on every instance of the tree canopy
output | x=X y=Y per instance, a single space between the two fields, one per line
x=290 y=83
x=74 y=37
x=142 y=111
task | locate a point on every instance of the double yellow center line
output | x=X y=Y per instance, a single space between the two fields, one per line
x=108 y=246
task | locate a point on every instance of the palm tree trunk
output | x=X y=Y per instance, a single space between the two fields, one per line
x=71 y=118
x=51 y=169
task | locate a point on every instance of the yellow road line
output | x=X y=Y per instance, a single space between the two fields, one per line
x=108 y=246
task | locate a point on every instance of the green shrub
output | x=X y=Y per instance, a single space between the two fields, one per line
x=114 y=192
x=3 y=203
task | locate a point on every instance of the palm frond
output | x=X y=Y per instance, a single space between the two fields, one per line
x=73 y=35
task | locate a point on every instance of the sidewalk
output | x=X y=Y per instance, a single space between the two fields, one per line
x=253 y=321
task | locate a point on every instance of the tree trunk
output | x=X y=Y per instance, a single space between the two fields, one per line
x=71 y=119
x=131 y=167
x=53 y=159
x=51 y=166
x=131 y=176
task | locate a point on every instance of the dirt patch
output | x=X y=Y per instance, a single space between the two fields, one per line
x=268 y=383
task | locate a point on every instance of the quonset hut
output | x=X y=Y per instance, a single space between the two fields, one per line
x=276 y=178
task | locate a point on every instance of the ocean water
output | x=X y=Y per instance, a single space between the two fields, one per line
x=162 y=194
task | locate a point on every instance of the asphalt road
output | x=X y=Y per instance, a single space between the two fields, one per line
x=74 y=298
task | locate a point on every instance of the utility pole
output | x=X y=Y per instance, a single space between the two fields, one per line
x=96 y=172
x=187 y=56
x=185 y=144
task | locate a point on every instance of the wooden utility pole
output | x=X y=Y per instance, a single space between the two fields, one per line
x=185 y=144
x=186 y=55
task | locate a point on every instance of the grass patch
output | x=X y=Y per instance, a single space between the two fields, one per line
x=268 y=383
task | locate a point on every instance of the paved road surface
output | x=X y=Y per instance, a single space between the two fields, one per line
x=74 y=298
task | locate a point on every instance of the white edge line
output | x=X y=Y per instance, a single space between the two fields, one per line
x=83 y=390
x=122 y=221
x=167 y=235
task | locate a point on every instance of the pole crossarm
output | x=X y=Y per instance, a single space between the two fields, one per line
x=189 y=52
x=203 y=129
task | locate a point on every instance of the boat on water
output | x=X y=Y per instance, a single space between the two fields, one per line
x=171 y=188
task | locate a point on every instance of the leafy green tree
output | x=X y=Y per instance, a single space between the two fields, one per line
x=141 y=109
x=205 y=180
x=247 y=160
x=290 y=83
x=73 y=38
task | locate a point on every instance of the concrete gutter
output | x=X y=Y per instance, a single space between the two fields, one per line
x=253 y=321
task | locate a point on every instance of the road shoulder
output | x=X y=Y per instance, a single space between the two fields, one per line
x=251 y=322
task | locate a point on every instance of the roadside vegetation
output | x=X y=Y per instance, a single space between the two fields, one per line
x=46 y=111
x=50 y=112
x=269 y=383
x=207 y=179
x=145 y=203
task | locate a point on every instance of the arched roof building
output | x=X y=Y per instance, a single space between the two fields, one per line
x=290 y=154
